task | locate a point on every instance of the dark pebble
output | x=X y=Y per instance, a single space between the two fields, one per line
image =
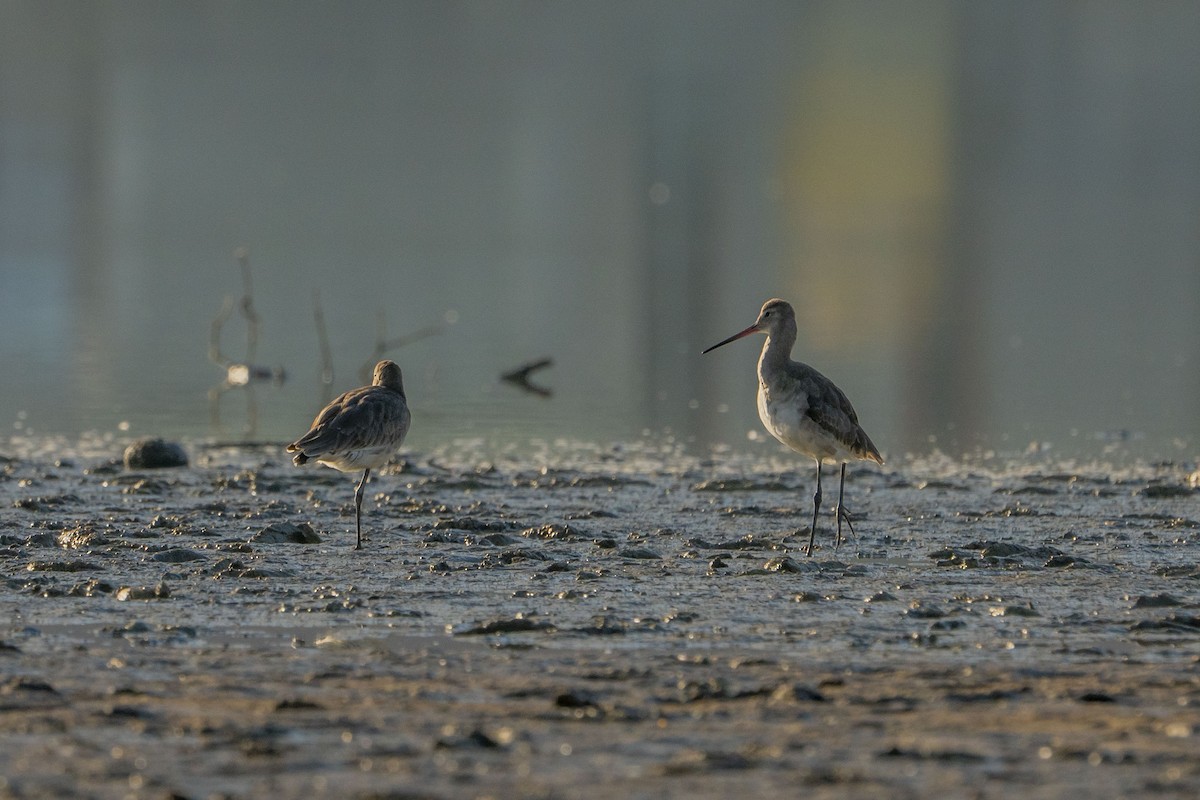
x=159 y=592
x=1155 y=601
x=474 y=524
x=639 y=552
x=795 y=693
x=514 y=625
x=500 y=540
x=154 y=453
x=91 y=588
x=1172 y=622
x=1018 y=611
x=128 y=712
x=574 y=699
x=26 y=685
x=1001 y=550
x=1167 y=490
x=918 y=610
x=286 y=533
x=177 y=555
x=297 y=705
x=789 y=564
x=475 y=738
x=1096 y=697
x=61 y=566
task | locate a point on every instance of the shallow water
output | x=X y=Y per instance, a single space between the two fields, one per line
x=984 y=614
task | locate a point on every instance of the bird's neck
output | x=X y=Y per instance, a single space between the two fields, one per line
x=395 y=384
x=776 y=352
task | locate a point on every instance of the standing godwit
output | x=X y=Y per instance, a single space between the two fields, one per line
x=804 y=409
x=361 y=429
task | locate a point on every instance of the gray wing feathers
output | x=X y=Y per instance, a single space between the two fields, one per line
x=829 y=408
x=363 y=418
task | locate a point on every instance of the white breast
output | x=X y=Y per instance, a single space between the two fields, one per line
x=784 y=415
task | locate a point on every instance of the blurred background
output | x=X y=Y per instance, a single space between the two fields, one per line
x=987 y=215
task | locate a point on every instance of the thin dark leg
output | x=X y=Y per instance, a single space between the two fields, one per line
x=358 y=493
x=812 y=531
x=842 y=513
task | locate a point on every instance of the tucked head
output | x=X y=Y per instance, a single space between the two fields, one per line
x=388 y=374
x=776 y=315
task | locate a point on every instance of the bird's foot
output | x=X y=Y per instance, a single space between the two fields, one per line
x=843 y=515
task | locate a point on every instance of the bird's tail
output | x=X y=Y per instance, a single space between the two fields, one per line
x=300 y=459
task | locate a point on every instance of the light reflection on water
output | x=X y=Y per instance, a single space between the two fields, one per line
x=491 y=416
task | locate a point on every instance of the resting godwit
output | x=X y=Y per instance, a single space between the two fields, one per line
x=361 y=429
x=804 y=409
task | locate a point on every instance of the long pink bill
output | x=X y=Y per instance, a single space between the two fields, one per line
x=734 y=338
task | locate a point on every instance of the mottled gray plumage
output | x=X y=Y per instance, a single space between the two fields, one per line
x=361 y=429
x=802 y=408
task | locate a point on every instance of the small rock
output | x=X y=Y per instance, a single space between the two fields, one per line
x=159 y=592
x=1167 y=490
x=1002 y=550
x=177 y=555
x=128 y=712
x=81 y=536
x=517 y=624
x=794 y=693
x=476 y=738
x=61 y=566
x=1172 y=622
x=602 y=626
x=789 y=564
x=499 y=540
x=552 y=531
x=575 y=699
x=26 y=685
x=297 y=704
x=918 y=610
x=91 y=588
x=1156 y=601
x=947 y=625
x=639 y=552
x=1096 y=697
x=153 y=453
x=286 y=533
x=1014 y=611
x=474 y=524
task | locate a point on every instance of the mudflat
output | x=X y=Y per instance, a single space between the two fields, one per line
x=574 y=620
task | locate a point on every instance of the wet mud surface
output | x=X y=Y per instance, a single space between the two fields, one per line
x=594 y=621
